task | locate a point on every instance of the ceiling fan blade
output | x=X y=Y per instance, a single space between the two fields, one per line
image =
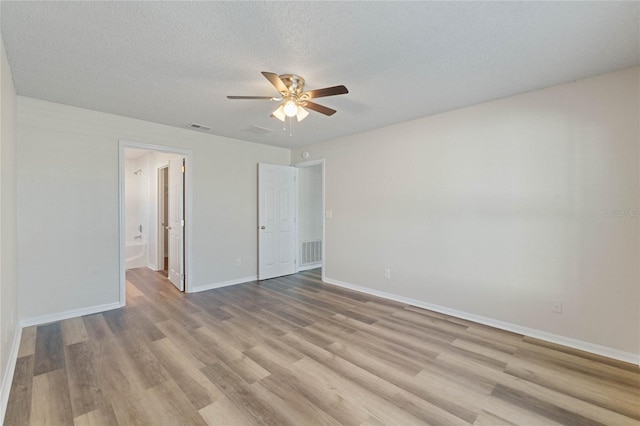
x=327 y=91
x=319 y=108
x=250 y=97
x=276 y=81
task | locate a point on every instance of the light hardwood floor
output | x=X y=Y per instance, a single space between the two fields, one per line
x=296 y=351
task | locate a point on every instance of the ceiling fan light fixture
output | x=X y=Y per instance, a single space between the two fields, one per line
x=302 y=113
x=292 y=97
x=290 y=108
x=279 y=113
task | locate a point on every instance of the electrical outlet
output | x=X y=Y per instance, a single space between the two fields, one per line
x=387 y=273
x=556 y=306
x=238 y=262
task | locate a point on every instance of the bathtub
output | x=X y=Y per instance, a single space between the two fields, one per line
x=135 y=254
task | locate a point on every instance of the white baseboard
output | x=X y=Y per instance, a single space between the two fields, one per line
x=312 y=266
x=531 y=332
x=7 y=379
x=223 y=284
x=58 y=316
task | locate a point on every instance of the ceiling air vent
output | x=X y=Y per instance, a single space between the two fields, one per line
x=196 y=126
x=258 y=130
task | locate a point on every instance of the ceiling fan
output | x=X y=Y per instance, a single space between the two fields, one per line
x=294 y=98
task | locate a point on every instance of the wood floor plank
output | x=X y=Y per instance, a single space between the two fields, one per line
x=49 y=354
x=546 y=409
x=19 y=412
x=27 y=341
x=241 y=394
x=97 y=328
x=590 y=367
x=73 y=331
x=129 y=410
x=376 y=406
x=271 y=357
x=145 y=362
x=385 y=382
x=100 y=417
x=418 y=345
x=186 y=341
x=283 y=399
x=582 y=354
x=240 y=364
x=223 y=412
x=122 y=386
x=294 y=350
x=50 y=403
x=382 y=353
x=582 y=387
x=168 y=405
x=186 y=373
x=488 y=419
x=84 y=387
x=561 y=400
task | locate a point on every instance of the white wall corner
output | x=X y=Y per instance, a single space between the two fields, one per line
x=223 y=284
x=7 y=378
x=514 y=328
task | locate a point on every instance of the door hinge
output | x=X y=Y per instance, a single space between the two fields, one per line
x=181 y=277
x=182 y=169
x=182 y=223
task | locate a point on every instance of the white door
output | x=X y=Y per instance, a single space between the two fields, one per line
x=176 y=222
x=276 y=220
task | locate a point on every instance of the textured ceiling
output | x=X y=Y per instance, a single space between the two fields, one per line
x=174 y=62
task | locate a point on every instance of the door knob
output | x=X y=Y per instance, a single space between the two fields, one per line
x=263 y=227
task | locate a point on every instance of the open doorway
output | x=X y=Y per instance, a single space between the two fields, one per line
x=310 y=200
x=154 y=213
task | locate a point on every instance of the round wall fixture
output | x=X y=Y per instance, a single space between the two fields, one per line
x=305 y=154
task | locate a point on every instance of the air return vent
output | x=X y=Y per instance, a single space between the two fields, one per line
x=310 y=252
x=258 y=130
x=201 y=127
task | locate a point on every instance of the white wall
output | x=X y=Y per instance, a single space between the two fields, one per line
x=498 y=208
x=136 y=200
x=8 y=238
x=68 y=184
x=310 y=203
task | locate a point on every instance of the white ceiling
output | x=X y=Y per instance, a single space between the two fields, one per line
x=175 y=62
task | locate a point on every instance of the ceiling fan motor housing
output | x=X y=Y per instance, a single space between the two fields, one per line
x=294 y=83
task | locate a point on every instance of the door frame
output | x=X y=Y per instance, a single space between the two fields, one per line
x=309 y=163
x=188 y=203
x=161 y=200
